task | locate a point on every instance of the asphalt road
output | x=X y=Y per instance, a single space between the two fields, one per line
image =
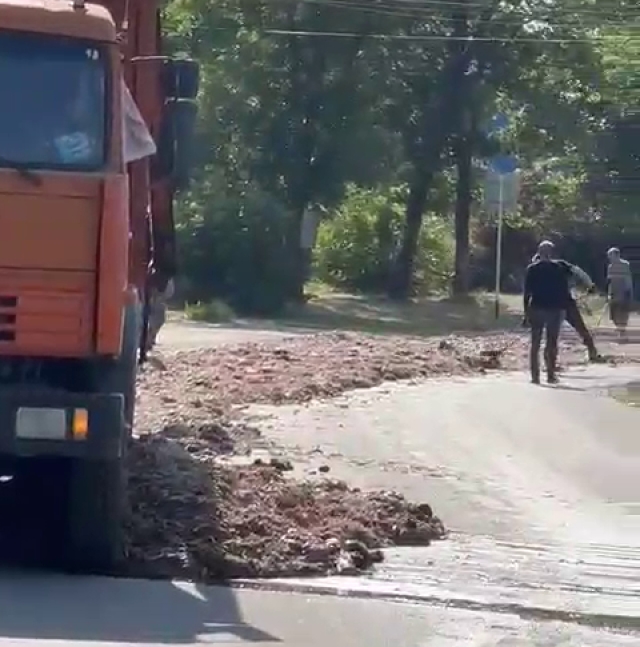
x=189 y=335
x=77 y=612
x=540 y=487
x=180 y=334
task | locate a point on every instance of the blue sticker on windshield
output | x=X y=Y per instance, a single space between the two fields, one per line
x=73 y=148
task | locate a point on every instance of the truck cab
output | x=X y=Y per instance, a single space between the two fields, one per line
x=88 y=159
x=63 y=183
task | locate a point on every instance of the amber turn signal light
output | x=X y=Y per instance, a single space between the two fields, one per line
x=80 y=424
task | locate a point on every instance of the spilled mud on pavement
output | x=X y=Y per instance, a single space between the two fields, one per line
x=207 y=518
x=193 y=518
x=193 y=515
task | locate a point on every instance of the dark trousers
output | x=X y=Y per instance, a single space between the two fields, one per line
x=548 y=321
x=619 y=312
x=574 y=318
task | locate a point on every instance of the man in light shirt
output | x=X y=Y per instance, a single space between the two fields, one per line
x=620 y=291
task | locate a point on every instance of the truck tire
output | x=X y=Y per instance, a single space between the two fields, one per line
x=97 y=495
x=96 y=505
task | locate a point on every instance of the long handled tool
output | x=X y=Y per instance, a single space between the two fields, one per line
x=604 y=308
x=497 y=353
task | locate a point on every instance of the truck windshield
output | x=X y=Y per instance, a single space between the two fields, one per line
x=53 y=107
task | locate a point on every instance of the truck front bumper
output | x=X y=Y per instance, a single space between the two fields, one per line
x=52 y=423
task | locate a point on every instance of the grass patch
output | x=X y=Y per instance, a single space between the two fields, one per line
x=328 y=309
x=422 y=317
x=316 y=289
x=214 y=311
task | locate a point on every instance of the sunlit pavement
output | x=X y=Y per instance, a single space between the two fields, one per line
x=74 y=612
x=538 y=484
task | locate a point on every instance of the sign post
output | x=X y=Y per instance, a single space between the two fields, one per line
x=503 y=180
x=499 y=243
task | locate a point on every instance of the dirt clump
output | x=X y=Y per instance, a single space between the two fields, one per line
x=302 y=368
x=192 y=517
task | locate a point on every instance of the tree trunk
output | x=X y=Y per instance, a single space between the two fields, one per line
x=306 y=77
x=464 y=158
x=439 y=127
x=297 y=277
x=401 y=280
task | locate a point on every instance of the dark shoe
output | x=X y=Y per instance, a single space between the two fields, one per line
x=535 y=379
x=596 y=358
x=552 y=379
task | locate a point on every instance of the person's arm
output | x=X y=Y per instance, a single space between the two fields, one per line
x=582 y=277
x=528 y=285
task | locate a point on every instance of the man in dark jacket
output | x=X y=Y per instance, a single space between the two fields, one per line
x=546 y=287
x=573 y=316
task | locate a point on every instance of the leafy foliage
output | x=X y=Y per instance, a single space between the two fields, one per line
x=233 y=246
x=331 y=103
x=357 y=245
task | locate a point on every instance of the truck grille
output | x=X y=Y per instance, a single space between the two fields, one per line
x=46 y=320
x=8 y=318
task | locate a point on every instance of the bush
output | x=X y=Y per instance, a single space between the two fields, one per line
x=355 y=248
x=232 y=247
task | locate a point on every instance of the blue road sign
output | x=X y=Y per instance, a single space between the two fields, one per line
x=503 y=164
x=497 y=124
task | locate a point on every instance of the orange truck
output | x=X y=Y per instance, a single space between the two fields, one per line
x=95 y=133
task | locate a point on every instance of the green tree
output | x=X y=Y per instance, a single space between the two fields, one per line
x=301 y=99
x=288 y=113
x=357 y=244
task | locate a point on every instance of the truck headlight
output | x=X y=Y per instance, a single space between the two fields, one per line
x=40 y=423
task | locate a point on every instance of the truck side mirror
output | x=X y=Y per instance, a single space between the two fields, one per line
x=181 y=78
x=181 y=81
x=175 y=143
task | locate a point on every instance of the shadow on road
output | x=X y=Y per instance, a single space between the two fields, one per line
x=562 y=387
x=47 y=605
x=52 y=607
x=373 y=315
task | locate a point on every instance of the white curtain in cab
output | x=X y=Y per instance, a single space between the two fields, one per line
x=138 y=142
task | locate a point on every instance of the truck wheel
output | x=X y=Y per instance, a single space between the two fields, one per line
x=95 y=538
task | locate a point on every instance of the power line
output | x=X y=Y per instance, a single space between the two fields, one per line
x=387 y=9
x=462 y=4
x=437 y=37
x=456 y=5
x=506 y=20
